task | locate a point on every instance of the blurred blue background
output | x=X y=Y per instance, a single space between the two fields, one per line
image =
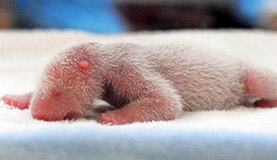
x=117 y=16
x=89 y=15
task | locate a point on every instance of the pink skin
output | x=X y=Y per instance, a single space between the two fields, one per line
x=262 y=84
x=19 y=101
x=83 y=73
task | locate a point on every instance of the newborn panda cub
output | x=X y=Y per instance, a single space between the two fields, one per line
x=144 y=83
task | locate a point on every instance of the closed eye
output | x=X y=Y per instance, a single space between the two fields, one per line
x=55 y=92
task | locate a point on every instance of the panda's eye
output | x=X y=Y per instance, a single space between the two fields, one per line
x=55 y=92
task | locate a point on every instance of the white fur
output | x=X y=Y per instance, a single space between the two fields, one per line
x=194 y=78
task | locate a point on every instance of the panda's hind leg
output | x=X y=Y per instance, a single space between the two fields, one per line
x=262 y=84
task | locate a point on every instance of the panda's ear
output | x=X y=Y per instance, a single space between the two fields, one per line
x=84 y=64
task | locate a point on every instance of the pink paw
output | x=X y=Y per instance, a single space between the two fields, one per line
x=264 y=103
x=111 y=118
x=21 y=102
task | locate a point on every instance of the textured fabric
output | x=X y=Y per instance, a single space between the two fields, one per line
x=241 y=133
x=158 y=143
